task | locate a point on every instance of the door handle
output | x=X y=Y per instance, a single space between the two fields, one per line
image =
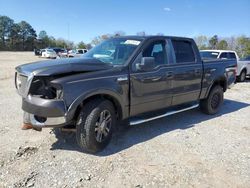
x=151 y=79
x=170 y=74
x=197 y=71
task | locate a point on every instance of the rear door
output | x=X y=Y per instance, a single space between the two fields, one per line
x=187 y=71
x=150 y=90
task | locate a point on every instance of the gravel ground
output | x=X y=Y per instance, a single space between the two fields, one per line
x=184 y=150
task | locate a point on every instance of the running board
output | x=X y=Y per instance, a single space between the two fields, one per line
x=139 y=121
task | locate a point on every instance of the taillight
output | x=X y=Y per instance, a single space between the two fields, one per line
x=236 y=68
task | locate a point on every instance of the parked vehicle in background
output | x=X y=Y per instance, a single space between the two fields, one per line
x=148 y=77
x=108 y=54
x=48 y=53
x=61 y=52
x=77 y=52
x=81 y=51
x=247 y=58
x=64 y=53
x=243 y=66
x=37 y=52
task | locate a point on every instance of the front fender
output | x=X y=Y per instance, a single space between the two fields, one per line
x=79 y=87
x=100 y=91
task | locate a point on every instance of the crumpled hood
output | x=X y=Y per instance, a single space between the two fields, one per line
x=62 y=66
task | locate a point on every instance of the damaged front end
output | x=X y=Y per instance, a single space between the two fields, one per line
x=42 y=100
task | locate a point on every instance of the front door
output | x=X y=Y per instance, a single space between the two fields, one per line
x=150 y=90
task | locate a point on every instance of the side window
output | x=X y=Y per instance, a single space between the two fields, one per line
x=223 y=55
x=232 y=56
x=156 y=50
x=183 y=51
x=80 y=51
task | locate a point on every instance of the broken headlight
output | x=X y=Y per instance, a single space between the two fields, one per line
x=43 y=88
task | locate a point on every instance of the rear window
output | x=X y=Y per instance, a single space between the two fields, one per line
x=223 y=55
x=209 y=55
x=183 y=51
x=231 y=56
x=49 y=50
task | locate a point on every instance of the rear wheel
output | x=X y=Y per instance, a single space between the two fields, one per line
x=213 y=102
x=95 y=125
x=242 y=76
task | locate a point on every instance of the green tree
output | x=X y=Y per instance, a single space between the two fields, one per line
x=243 y=46
x=14 y=37
x=6 y=24
x=81 y=45
x=213 y=42
x=42 y=34
x=100 y=38
x=44 y=40
x=28 y=35
x=62 y=43
x=222 y=45
x=89 y=46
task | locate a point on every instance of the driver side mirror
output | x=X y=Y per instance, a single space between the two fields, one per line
x=146 y=64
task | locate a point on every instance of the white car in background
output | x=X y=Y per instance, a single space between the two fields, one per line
x=77 y=52
x=48 y=53
x=243 y=66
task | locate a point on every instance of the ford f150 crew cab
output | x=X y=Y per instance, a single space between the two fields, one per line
x=243 y=65
x=145 y=78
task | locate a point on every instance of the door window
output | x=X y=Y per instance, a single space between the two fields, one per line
x=183 y=51
x=156 y=50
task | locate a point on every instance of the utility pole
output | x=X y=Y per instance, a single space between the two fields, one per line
x=68 y=32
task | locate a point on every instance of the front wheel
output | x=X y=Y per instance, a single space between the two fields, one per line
x=213 y=102
x=95 y=125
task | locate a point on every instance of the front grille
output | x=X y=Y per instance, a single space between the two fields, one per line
x=21 y=84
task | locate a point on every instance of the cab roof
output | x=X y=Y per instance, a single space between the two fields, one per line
x=135 y=37
x=218 y=51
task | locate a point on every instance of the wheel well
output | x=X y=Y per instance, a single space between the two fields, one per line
x=222 y=83
x=244 y=69
x=116 y=104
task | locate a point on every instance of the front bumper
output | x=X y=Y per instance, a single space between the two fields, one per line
x=44 y=107
x=44 y=112
x=49 y=122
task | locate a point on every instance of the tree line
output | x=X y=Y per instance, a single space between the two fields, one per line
x=240 y=44
x=23 y=37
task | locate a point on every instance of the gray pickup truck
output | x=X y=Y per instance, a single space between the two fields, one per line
x=122 y=81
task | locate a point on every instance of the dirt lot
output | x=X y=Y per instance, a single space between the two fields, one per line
x=185 y=150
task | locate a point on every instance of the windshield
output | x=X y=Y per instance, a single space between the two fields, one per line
x=209 y=55
x=114 y=51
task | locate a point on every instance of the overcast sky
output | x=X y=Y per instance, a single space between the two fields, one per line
x=82 y=20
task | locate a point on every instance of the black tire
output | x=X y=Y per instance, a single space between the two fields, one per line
x=242 y=76
x=90 y=124
x=213 y=102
